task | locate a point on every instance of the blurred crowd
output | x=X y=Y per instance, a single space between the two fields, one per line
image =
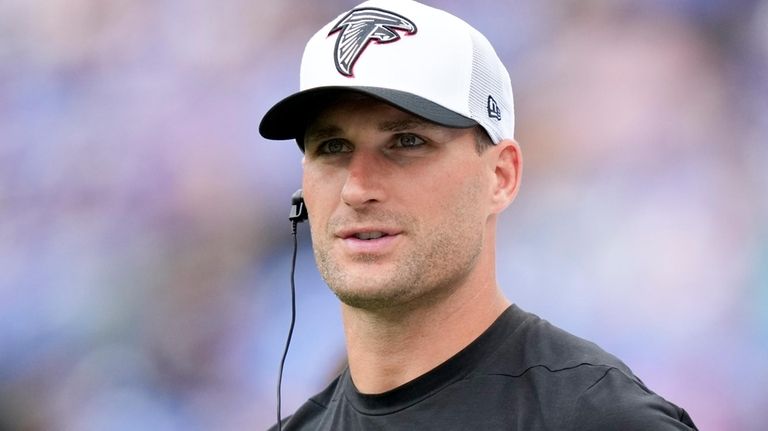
x=144 y=242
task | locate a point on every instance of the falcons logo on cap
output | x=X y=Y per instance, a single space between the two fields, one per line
x=361 y=26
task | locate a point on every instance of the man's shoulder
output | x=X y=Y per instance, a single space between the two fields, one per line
x=554 y=364
x=577 y=380
x=620 y=401
x=535 y=342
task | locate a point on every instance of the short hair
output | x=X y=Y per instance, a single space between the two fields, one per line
x=482 y=140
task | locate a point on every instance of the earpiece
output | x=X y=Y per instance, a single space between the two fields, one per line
x=298 y=214
x=298 y=209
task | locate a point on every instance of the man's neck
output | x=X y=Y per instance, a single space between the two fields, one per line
x=388 y=349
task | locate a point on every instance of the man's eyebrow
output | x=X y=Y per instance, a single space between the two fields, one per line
x=407 y=124
x=322 y=132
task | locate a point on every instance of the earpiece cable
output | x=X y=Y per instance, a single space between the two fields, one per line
x=290 y=329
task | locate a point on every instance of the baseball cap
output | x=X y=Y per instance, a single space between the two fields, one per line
x=419 y=59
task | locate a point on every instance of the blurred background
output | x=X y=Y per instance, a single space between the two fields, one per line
x=144 y=240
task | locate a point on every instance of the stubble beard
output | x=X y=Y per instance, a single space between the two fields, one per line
x=434 y=263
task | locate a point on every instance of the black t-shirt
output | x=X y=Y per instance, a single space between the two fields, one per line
x=522 y=373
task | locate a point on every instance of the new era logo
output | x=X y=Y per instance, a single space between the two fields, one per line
x=493 y=109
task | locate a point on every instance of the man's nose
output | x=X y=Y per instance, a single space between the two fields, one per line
x=365 y=178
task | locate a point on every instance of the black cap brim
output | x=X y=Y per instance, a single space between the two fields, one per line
x=289 y=118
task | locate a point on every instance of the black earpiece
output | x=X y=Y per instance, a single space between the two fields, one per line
x=298 y=209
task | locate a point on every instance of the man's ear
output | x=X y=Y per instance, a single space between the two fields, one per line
x=508 y=171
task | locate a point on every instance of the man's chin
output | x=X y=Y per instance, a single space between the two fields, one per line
x=372 y=294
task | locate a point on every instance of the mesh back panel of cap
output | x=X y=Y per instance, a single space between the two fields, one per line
x=485 y=81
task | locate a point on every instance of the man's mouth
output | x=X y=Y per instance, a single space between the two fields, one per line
x=369 y=235
x=369 y=239
x=366 y=233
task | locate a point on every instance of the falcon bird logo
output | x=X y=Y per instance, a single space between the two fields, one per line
x=361 y=26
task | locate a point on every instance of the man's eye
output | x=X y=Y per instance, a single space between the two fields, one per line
x=334 y=146
x=407 y=140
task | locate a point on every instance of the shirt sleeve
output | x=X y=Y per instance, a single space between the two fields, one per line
x=617 y=401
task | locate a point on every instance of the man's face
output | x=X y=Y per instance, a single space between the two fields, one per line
x=397 y=205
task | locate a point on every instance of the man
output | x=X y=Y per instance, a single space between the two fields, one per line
x=405 y=117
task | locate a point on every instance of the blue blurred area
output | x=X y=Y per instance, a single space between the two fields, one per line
x=144 y=245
